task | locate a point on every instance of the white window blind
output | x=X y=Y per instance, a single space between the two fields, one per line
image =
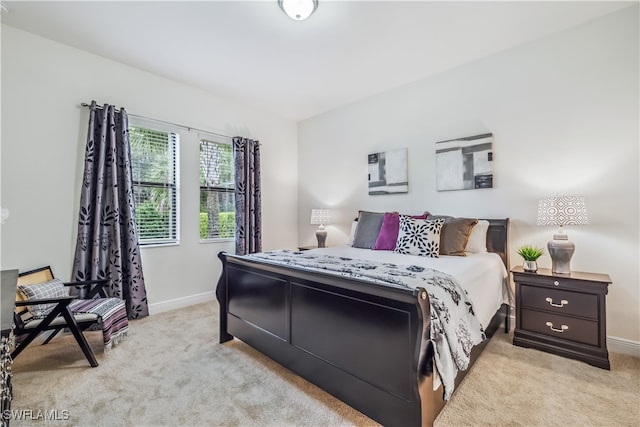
x=217 y=199
x=154 y=164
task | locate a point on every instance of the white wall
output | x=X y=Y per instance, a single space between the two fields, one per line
x=43 y=138
x=564 y=114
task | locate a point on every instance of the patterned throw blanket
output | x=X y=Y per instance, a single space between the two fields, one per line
x=454 y=327
x=112 y=316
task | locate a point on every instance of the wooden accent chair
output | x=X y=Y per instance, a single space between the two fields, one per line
x=29 y=325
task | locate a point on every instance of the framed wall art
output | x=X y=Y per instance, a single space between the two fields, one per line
x=388 y=172
x=465 y=163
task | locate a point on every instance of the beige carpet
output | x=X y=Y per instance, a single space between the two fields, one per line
x=171 y=371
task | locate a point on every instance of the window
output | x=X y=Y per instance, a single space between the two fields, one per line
x=217 y=185
x=154 y=163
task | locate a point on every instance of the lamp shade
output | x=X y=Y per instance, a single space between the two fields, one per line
x=562 y=210
x=321 y=216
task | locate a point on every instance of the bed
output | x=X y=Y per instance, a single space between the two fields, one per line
x=367 y=345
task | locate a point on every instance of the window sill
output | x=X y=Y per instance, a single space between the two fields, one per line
x=158 y=245
x=225 y=240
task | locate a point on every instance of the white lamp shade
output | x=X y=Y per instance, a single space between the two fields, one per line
x=321 y=216
x=562 y=210
x=298 y=9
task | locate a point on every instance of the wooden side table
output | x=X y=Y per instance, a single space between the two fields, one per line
x=563 y=314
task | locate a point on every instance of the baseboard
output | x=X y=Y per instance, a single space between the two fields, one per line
x=161 y=307
x=624 y=346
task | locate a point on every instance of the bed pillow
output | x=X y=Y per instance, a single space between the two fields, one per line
x=369 y=224
x=51 y=289
x=388 y=234
x=455 y=235
x=419 y=237
x=445 y=217
x=478 y=238
x=352 y=232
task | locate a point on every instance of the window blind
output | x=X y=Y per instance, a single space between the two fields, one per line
x=154 y=164
x=217 y=186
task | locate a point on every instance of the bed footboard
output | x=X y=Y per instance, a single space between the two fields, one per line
x=357 y=341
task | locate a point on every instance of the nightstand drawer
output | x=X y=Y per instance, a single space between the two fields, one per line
x=559 y=301
x=563 y=327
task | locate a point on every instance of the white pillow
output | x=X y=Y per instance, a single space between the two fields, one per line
x=419 y=237
x=477 y=242
x=352 y=233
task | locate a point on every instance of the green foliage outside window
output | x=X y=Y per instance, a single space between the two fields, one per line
x=156 y=223
x=226 y=222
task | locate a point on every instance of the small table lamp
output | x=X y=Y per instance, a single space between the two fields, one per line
x=562 y=210
x=321 y=217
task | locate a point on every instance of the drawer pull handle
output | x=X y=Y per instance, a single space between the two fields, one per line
x=556 y=283
x=553 y=304
x=561 y=330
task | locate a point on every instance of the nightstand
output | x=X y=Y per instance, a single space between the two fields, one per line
x=563 y=314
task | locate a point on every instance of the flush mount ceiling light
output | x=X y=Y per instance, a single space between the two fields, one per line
x=298 y=10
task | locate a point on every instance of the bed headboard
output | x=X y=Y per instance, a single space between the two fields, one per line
x=497 y=238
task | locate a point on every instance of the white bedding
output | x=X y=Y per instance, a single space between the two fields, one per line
x=483 y=275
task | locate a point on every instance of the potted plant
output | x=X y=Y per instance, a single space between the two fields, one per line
x=530 y=254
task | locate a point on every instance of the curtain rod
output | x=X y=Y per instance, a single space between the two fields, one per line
x=189 y=128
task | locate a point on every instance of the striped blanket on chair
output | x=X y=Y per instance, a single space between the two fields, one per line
x=112 y=316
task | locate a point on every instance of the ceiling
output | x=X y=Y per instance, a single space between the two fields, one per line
x=250 y=51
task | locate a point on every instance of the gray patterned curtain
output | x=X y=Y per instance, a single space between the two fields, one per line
x=246 y=154
x=107 y=245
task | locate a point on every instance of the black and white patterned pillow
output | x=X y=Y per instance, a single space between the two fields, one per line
x=51 y=289
x=419 y=237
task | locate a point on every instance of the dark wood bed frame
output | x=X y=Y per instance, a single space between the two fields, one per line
x=358 y=341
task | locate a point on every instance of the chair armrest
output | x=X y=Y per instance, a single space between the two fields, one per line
x=101 y=282
x=58 y=300
x=98 y=289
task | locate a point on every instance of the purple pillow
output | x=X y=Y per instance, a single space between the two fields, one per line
x=389 y=230
x=388 y=234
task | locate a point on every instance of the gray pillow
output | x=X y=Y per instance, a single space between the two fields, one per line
x=369 y=224
x=51 y=289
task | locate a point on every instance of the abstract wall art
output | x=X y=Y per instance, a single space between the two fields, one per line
x=465 y=163
x=388 y=172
